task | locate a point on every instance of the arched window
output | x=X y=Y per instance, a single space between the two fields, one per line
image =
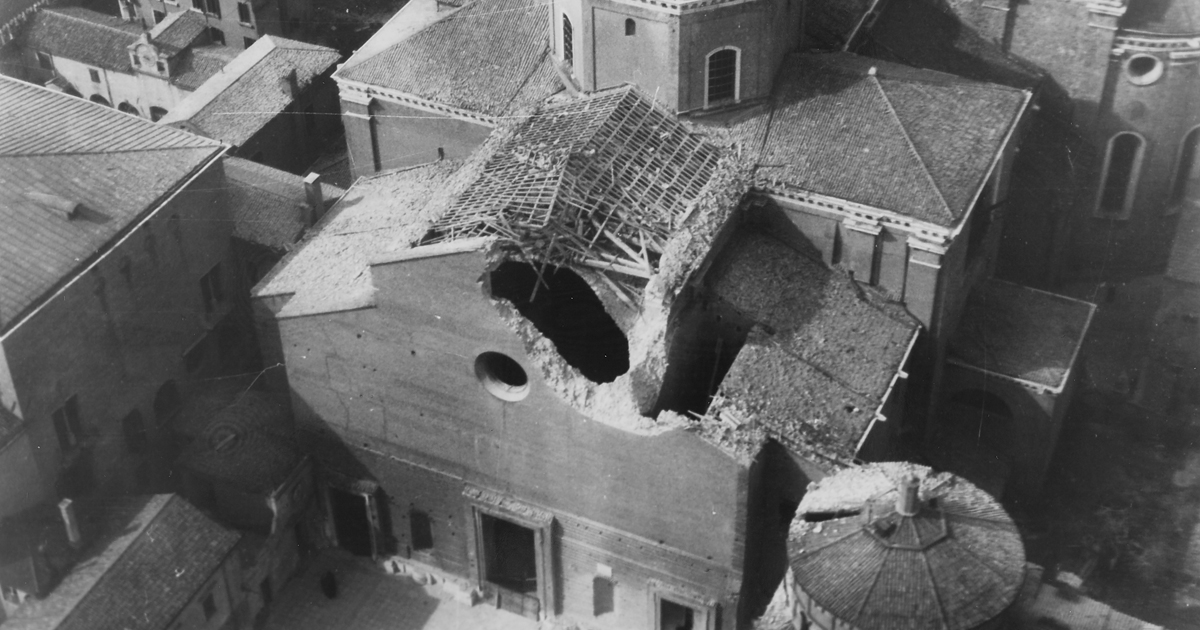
x=568 y=41
x=722 y=80
x=630 y=27
x=96 y=98
x=1186 y=184
x=127 y=108
x=156 y=113
x=1118 y=184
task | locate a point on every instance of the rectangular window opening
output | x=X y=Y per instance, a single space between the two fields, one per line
x=603 y=599
x=94 y=74
x=45 y=61
x=244 y=13
x=421 y=529
x=673 y=616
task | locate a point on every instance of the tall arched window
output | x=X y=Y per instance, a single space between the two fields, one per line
x=722 y=79
x=1118 y=185
x=1186 y=184
x=568 y=42
x=630 y=27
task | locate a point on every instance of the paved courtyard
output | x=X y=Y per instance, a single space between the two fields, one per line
x=370 y=599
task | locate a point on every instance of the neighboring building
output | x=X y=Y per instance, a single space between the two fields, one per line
x=894 y=546
x=115 y=62
x=111 y=222
x=271 y=210
x=274 y=103
x=140 y=562
x=234 y=23
x=1130 y=69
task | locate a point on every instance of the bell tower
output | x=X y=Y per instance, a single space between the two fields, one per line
x=688 y=54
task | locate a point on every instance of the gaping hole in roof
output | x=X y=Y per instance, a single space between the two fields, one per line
x=565 y=309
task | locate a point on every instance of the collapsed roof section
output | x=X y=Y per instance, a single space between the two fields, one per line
x=601 y=182
x=820 y=361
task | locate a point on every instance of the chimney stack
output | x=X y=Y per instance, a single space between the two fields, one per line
x=908 y=496
x=67 y=508
x=316 y=198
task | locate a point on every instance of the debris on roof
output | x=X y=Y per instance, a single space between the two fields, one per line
x=896 y=546
x=818 y=363
x=105 y=160
x=490 y=57
x=601 y=182
x=1021 y=333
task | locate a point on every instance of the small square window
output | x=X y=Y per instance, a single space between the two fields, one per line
x=216 y=35
x=94 y=74
x=45 y=61
x=162 y=67
x=210 y=606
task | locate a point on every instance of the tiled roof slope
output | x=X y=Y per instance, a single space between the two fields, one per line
x=326 y=272
x=1184 y=264
x=914 y=142
x=155 y=554
x=179 y=29
x=253 y=89
x=953 y=565
x=920 y=33
x=83 y=35
x=269 y=207
x=116 y=165
x=818 y=365
x=1163 y=17
x=1020 y=332
x=490 y=57
x=199 y=63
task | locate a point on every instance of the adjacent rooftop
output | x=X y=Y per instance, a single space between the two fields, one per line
x=490 y=57
x=153 y=554
x=253 y=89
x=1021 y=333
x=269 y=206
x=75 y=175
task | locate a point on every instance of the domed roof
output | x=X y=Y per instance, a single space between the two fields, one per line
x=939 y=553
x=1162 y=17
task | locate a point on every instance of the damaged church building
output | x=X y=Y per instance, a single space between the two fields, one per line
x=589 y=362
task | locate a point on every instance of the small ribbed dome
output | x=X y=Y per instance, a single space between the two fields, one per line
x=877 y=555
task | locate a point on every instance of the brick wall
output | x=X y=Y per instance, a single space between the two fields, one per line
x=118 y=331
x=393 y=392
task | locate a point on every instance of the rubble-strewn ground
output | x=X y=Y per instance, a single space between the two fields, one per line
x=1121 y=507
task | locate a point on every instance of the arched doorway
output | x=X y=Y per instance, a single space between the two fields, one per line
x=126 y=107
x=96 y=98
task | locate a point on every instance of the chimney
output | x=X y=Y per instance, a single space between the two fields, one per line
x=71 y=521
x=908 y=496
x=316 y=198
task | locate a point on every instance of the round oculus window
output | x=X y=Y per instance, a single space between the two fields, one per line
x=1143 y=69
x=502 y=376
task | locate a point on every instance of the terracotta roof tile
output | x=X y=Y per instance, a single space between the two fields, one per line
x=83 y=35
x=815 y=371
x=179 y=30
x=954 y=564
x=253 y=89
x=1020 y=332
x=54 y=144
x=155 y=555
x=269 y=207
x=915 y=142
x=490 y=57
x=200 y=63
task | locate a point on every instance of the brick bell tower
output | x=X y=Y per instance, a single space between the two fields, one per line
x=689 y=55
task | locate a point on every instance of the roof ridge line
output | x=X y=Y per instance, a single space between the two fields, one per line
x=86 y=21
x=911 y=147
x=867 y=596
x=215 y=145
